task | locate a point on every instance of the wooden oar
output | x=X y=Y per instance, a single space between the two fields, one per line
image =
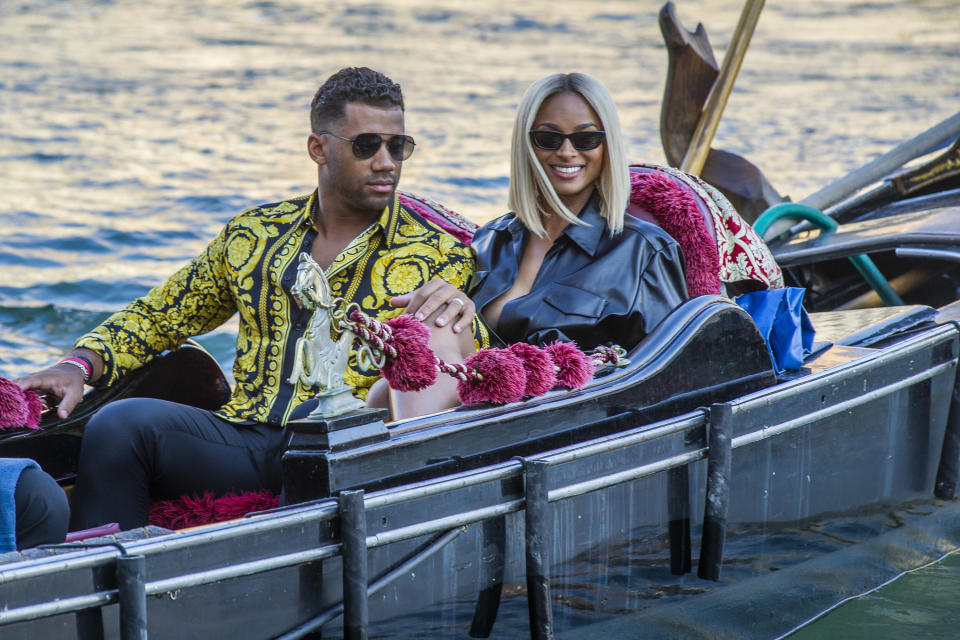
x=936 y=174
x=873 y=171
x=696 y=155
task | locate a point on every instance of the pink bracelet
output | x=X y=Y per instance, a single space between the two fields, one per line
x=81 y=364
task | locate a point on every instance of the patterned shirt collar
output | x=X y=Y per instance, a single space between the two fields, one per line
x=389 y=219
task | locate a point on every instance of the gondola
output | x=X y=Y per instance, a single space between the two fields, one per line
x=696 y=467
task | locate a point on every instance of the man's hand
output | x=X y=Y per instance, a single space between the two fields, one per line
x=438 y=295
x=64 y=381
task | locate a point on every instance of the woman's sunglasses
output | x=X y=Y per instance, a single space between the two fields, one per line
x=366 y=145
x=553 y=140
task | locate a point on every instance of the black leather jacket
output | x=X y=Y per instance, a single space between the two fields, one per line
x=592 y=288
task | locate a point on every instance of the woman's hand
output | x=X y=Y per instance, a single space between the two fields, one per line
x=438 y=295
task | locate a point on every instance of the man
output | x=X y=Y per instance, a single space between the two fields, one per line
x=371 y=249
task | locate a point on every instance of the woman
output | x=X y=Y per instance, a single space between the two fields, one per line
x=566 y=264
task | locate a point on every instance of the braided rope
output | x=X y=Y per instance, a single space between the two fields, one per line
x=458 y=371
x=374 y=334
x=603 y=355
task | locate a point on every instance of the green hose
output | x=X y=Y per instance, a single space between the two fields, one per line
x=863 y=263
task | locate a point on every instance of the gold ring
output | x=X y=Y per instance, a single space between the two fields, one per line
x=458 y=301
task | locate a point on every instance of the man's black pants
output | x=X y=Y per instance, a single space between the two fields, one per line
x=141 y=449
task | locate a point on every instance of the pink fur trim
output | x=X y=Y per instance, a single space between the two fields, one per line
x=501 y=378
x=415 y=366
x=574 y=367
x=193 y=511
x=541 y=375
x=451 y=222
x=677 y=213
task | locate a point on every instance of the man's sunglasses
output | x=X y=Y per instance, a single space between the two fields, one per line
x=366 y=145
x=553 y=140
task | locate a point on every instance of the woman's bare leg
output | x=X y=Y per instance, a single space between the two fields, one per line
x=450 y=347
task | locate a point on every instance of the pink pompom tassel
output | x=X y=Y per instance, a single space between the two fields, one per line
x=573 y=367
x=497 y=376
x=415 y=366
x=13 y=405
x=34 y=408
x=541 y=374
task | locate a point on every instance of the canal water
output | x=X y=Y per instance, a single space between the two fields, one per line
x=918 y=604
x=130 y=131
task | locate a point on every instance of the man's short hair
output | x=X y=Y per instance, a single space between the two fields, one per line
x=352 y=84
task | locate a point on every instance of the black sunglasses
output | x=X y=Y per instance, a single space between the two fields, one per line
x=366 y=145
x=553 y=140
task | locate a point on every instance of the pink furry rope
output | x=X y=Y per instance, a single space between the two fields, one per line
x=18 y=408
x=495 y=375
x=574 y=368
x=414 y=366
x=541 y=374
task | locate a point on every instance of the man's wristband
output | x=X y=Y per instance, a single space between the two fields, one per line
x=81 y=363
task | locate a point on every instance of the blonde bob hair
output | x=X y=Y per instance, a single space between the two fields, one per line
x=531 y=195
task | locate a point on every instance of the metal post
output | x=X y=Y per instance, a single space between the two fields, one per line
x=492 y=563
x=718 y=491
x=353 y=536
x=132 y=594
x=947 y=472
x=678 y=513
x=537 y=539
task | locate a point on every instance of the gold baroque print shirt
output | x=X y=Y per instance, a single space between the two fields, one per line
x=249 y=269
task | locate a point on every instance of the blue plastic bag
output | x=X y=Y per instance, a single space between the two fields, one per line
x=784 y=324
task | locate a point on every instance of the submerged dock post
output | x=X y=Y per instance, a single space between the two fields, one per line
x=949 y=469
x=132 y=594
x=353 y=536
x=678 y=508
x=537 y=539
x=492 y=564
x=718 y=491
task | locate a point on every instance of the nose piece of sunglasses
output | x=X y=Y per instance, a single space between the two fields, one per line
x=553 y=140
x=366 y=145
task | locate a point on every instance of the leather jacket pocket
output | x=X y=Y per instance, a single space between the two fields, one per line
x=572 y=301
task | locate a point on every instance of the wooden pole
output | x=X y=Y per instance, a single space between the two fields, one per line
x=699 y=148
